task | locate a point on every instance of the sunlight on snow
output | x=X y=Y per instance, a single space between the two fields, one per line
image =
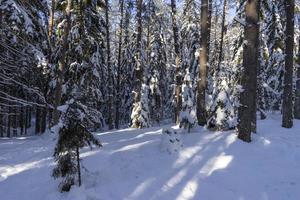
x=174 y=180
x=7 y=171
x=185 y=155
x=189 y=190
x=140 y=189
x=216 y=163
x=131 y=147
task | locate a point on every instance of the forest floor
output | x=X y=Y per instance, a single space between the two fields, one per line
x=131 y=165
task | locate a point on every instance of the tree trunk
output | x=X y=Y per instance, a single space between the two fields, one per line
x=108 y=61
x=62 y=63
x=51 y=20
x=138 y=67
x=249 y=74
x=202 y=82
x=222 y=36
x=210 y=10
x=21 y=120
x=297 y=91
x=118 y=100
x=78 y=166
x=9 y=119
x=287 y=104
x=178 y=77
x=37 y=120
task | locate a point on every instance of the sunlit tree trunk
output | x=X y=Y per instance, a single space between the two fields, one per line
x=202 y=80
x=249 y=74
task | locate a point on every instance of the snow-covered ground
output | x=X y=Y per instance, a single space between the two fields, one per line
x=131 y=165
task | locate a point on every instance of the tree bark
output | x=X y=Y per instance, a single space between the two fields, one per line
x=51 y=20
x=202 y=81
x=108 y=61
x=210 y=10
x=222 y=35
x=287 y=104
x=297 y=91
x=119 y=65
x=78 y=166
x=249 y=74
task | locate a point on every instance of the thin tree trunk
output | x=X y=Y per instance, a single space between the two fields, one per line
x=202 y=81
x=51 y=19
x=9 y=119
x=119 y=65
x=14 y=122
x=78 y=166
x=21 y=120
x=178 y=78
x=37 y=120
x=287 y=105
x=222 y=35
x=297 y=91
x=249 y=74
x=210 y=10
x=62 y=63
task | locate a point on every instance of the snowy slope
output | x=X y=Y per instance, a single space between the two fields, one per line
x=131 y=165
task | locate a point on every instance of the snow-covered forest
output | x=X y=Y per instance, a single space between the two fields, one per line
x=149 y=99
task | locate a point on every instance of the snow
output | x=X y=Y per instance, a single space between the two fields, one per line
x=131 y=165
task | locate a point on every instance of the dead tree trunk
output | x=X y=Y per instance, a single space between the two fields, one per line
x=202 y=82
x=249 y=74
x=178 y=77
x=287 y=104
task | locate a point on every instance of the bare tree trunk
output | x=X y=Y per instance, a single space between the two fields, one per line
x=297 y=91
x=222 y=36
x=37 y=120
x=62 y=63
x=249 y=74
x=118 y=100
x=108 y=61
x=202 y=82
x=178 y=77
x=78 y=166
x=138 y=67
x=21 y=120
x=9 y=119
x=210 y=9
x=51 y=20
x=14 y=122
x=287 y=105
